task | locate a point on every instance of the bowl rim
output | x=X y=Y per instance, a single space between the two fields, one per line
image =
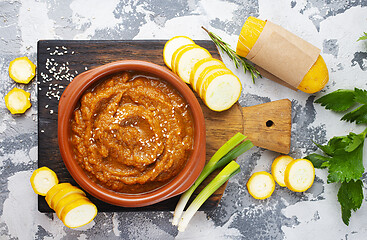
x=178 y=184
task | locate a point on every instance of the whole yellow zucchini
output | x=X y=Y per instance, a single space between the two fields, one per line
x=314 y=80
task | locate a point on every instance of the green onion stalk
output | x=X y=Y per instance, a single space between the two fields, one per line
x=230 y=170
x=229 y=151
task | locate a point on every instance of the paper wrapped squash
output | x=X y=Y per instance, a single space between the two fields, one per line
x=282 y=49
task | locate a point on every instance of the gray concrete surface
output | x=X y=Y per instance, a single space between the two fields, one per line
x=333 y=26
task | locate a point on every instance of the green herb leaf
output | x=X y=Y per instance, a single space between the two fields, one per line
x=318 y=160
x=360 y=96
x=363 y=37
x=350 y=196
x=345 y=162
x=327 y=149
x=237 y=59
x=331 y=147
x=358 y=115
x=342 y=100
x=354 y=141
x=339 y=100
x=345 y=165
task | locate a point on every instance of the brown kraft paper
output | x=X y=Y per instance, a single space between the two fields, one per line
x=285 y=56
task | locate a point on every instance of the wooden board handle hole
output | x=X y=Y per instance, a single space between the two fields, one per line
x=269 y=123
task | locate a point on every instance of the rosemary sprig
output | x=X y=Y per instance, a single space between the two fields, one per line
x=238 y=60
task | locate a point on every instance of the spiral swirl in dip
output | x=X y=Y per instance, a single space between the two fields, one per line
x=132 y=133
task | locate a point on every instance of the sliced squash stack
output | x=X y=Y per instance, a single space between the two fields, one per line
x=216 y=85
x=297 y=175
x=172 y=45
x=70 y=203
x=201 y=66
x=186 y=60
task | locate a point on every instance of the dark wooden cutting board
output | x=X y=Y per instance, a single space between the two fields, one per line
x=58 y=61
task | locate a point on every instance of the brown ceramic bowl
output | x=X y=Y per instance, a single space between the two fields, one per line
x=177 y=185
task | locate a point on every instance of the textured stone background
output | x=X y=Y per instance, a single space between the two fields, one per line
x=334 y=26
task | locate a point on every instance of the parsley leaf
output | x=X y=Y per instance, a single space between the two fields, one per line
x=342 y=100
x=360 y=96
x=318 y=160
x=344 y=161
x=358 y=115
x=339 y=100
x=350 y=196
x=363 y=37
x=345 y=166
x=331 y=146
x=353 y=141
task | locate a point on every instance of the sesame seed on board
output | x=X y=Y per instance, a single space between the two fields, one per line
x=56 y=75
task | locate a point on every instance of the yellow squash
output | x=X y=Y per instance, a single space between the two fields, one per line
x=22 y=70
x=315 y=79
x=17 y=101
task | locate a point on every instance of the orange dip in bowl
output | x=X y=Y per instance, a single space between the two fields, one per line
x=132 y=132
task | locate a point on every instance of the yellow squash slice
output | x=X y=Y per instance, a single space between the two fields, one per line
x=64 y=192
x=261 y=185
x=22 y=70
x=54 y=190
x=299 y=175
x=314 y=80
x=208 y=71
x=67 y=200
x=221 y=90
x=200 y=66
x=70 y=203
x=278 y=168
x=42 y=180
x=187 y=59
x=195 y=66
x=17 y=101
x=178 y=52
x=172 y=45
x=78 y=213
